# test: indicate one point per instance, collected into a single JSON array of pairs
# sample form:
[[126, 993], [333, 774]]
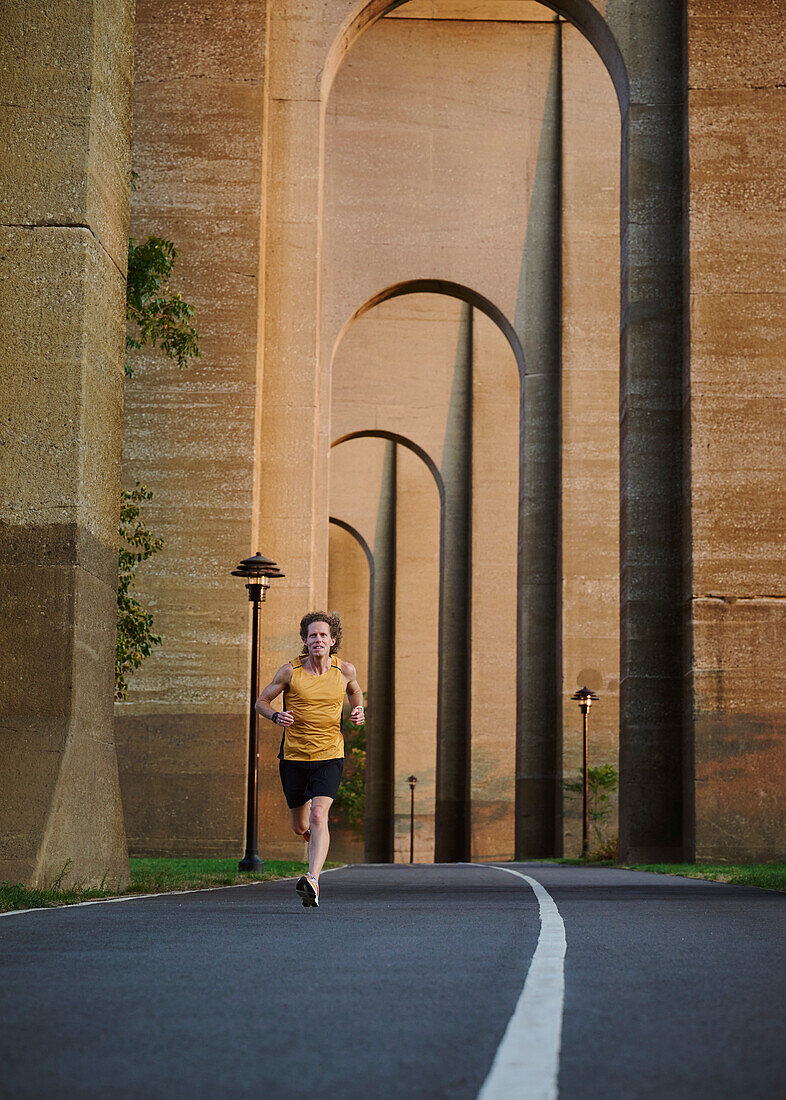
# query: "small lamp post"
[[257, 572], [584, 697], [412, 781]]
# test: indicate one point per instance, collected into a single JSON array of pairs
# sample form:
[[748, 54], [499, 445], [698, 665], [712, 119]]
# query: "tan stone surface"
[[393, 369], [64, 400], [590, 412], [506, 10], [357, 503], [63, 126], [380, 143], [428, 171], [191, 436], [348, 593], [739, 686], [495, 490], [417, 627], [66, 120], [737, 108], [431, 148]]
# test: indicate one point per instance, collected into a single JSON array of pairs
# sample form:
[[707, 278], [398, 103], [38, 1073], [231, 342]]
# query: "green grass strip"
[[767, 876], [150, 876]]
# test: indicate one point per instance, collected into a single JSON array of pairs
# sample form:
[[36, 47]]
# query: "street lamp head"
[[584, 697], [412, 780], [257, 572]]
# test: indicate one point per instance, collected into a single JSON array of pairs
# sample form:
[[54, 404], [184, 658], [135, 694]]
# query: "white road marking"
[[526, 1064]]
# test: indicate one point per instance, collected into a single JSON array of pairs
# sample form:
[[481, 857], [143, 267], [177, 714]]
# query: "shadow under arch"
[[380, 735], [449, 290], [582, 14]]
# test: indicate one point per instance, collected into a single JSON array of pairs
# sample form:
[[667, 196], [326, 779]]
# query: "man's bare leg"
[[299, 818], [320, 835]]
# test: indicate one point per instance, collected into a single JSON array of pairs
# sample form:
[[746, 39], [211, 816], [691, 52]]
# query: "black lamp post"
[[257, 572], [412, 781], [584, 697]]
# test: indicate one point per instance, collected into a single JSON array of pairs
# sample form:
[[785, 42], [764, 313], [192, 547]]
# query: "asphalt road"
[[400, 985]]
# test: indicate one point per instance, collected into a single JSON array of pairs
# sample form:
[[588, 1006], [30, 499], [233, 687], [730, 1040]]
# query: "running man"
[[311, 757]]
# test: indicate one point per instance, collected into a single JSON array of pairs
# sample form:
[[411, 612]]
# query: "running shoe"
[[308, 888], [306, 835]]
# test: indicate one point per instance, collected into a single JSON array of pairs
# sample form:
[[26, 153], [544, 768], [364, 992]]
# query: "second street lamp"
[[584, 697], [412, 781], [257, 572]]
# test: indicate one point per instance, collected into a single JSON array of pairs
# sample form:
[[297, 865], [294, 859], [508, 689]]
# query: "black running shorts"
[[305, 779]]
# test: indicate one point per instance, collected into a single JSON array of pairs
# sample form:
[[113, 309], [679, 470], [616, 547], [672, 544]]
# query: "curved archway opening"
[[481, 375], [580, 13], [586, 19], [401, 733], [450, 290]]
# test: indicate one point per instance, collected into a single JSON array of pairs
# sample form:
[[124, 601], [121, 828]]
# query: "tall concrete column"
[[380, 735], [452, 811], [538, 726], [66, 117], [736, 404], [651, 429]]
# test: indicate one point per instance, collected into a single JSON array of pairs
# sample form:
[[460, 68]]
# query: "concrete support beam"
[[452, 811], [380, 737], [66, 120], [538, 307], [651, 430], [192, 437], [735, 405]]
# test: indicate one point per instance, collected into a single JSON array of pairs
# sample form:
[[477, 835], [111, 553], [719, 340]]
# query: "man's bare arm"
[[354, 694], [281, 681]]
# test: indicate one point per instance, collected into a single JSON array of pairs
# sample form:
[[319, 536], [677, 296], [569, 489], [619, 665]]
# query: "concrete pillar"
[[651, 430], [350, 581], [417, 628], [452, 811], [66, 117], [737, 608], [538, 327], [495, 501], [381, 687], [590, 416], [192, 437]]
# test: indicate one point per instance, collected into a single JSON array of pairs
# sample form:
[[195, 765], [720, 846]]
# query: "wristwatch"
[[275, 717]]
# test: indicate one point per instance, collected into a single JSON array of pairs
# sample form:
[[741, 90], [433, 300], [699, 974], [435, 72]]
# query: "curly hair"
[[333, 621]]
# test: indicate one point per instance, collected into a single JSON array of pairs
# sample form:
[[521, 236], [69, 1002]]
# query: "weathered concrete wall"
[[393, 369], [65, 117], [349, 588], [495, 487], [191, 436], [388, 217], [652, 334], [737, 585], [403, 363], [417, 632], [590, 415]]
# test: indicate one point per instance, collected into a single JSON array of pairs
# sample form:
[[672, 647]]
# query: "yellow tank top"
[[315, 702]]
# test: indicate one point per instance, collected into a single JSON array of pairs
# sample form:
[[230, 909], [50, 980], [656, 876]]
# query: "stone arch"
[[450, 290], [452, 817], [654, 508], [403, 441], [581, 13], [381, 680]]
